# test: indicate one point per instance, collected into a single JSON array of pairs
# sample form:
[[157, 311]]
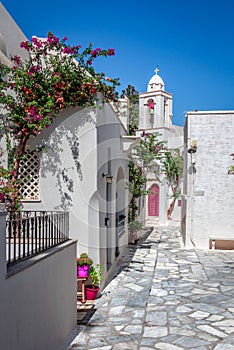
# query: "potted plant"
[[134, 227], [96, 275], [83, 265]]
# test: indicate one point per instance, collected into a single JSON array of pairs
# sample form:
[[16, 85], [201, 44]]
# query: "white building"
[[84, 170], [80, 165], [36, 293], [81, 149], [208, 195], [155, 116]]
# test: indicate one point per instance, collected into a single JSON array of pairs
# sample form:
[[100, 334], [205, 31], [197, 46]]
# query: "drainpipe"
[[192, 150]]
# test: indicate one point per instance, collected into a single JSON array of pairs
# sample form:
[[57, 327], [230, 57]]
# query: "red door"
[[153, 201]]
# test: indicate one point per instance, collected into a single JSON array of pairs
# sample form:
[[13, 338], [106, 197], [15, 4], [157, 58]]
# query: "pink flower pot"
[[91, 293], [83, 271]]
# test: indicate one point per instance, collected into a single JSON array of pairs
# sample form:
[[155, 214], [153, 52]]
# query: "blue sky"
[[191, 41]]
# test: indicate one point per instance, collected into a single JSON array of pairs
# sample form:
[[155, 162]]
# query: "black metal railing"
[[29, 233]]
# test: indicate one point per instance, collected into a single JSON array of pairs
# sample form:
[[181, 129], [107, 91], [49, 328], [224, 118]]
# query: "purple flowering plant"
[[34, 91]]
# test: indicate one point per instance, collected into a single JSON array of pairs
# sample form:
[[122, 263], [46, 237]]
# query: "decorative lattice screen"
[[29, 176]]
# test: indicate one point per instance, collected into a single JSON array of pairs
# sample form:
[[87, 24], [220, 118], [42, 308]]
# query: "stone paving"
[[164, 297]]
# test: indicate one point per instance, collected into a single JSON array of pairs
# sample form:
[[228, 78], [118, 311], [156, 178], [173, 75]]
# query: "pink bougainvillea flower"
[[93, 53], [40, 92], [36, 42], [25, 45], [34, 69], [16, 59], [111, 52]]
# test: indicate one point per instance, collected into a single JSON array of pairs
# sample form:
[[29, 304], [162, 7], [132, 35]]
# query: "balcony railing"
[[29, 233]]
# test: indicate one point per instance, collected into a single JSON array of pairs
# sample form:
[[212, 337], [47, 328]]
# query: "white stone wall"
[[111, 160], [162, 113], [68, 167], [10, 36], [72, 162], [210, 189], [37, 298], [79, 145]]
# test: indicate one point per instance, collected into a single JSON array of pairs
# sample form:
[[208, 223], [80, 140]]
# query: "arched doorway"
[[153, 201]]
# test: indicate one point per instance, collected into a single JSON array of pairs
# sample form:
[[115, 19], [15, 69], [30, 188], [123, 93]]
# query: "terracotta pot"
[[91, 292], [83, 270]]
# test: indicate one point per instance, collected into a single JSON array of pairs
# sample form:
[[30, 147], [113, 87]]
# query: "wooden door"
[[153, 201]]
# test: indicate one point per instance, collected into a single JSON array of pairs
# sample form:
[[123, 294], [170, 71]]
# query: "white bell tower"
[[155, 105]]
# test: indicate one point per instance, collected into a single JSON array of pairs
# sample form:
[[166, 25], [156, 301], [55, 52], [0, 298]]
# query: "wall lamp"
[[109, 178], [193, 148]]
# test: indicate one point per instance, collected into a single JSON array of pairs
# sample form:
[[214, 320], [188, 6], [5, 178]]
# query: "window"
[[29, 176], [150, 104]]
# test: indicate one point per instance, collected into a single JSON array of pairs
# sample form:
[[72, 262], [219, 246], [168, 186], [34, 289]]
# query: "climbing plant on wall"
[[137, 181], [34, 91], [172, 167], [146, 156], [152, 155], [133, 108], [231, 168]]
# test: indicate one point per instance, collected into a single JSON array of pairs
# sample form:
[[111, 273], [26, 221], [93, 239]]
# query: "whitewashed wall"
[[37, 298], [110, 148], [68, 169], [10, 36], [210, 201], [78, 147]]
